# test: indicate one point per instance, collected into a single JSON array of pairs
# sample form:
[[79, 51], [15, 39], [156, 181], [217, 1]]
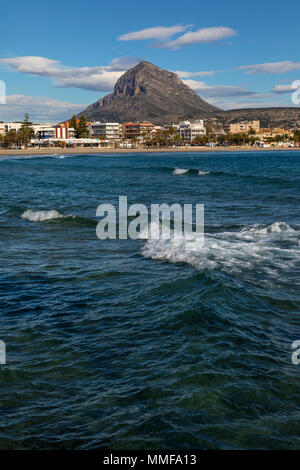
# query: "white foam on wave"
[[255, 247], [183, 171], [62, 157], [276, 227], [180, 171], [41, 216], [16, 158]]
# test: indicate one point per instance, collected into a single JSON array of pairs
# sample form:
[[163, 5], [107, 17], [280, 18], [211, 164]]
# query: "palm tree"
[[134, 141], [176, 139]]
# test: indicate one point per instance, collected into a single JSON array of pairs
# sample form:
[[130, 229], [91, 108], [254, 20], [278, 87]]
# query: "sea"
[[142, 344]]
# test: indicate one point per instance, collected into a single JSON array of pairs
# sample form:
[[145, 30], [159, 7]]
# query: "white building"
[[188, 131], [10, 126], [69, 142], [64, 133], [105, 130], [45, 133], [167, 127], [45, 128]]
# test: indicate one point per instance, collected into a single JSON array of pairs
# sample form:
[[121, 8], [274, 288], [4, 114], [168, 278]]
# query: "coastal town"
[[80, 133]]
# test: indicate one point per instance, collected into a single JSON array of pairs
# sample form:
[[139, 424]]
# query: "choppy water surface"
[[150, 344]]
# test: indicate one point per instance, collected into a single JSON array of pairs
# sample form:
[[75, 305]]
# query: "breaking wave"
[[276, 227], [180, 171], [54, 215], [194, 171], [41, 216], [268, 248]]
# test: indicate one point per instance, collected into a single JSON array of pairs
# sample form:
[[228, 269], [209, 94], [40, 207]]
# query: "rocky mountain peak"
[[148, 92]]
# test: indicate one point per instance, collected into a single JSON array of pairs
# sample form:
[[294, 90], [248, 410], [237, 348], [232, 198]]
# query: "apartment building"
[[64, 133], [10, 126], [46, 133], [134, 130], [188, 131], [243, 127], [266, 133], [46, 128], [105, 130], [168, 127], [67, 124], [212, 125]]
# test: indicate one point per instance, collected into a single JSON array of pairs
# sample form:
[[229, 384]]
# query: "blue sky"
[[58, 57]]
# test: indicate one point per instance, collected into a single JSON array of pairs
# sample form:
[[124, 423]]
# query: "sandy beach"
[[61, 151]]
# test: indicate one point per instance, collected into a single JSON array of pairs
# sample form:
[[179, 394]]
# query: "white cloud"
[[32, 64], [244, 104], [231, 97], [287, 88], [217, 91], [38, 107], [157, 32], [282, 89], [98, 78], [185, 74], [271, 67], [200, 36], [89, 79]]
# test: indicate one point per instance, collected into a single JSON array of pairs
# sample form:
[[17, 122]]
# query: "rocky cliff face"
[[149, 93]]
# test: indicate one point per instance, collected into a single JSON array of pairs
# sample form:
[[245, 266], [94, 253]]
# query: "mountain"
[[279, 117], [149, 93]]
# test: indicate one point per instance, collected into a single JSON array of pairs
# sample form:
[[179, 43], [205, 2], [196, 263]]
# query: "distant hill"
[[149, 93], [266, 116]]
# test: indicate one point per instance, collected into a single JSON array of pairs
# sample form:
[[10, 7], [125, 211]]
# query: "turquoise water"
[[129, 344]]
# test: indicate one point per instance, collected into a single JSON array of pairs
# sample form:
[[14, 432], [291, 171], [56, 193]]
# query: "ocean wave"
[[220, 173], [62, 156], [276, 227], [268, 248], [56, 216], [41, 216], [193, 171], [180, 171], [16, 158]]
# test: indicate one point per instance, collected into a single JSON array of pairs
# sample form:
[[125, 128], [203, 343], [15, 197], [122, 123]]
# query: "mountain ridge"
[[275, 116], [149, 93]]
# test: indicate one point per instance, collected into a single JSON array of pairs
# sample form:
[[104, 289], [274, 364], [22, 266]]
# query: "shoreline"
[[83, 151]]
